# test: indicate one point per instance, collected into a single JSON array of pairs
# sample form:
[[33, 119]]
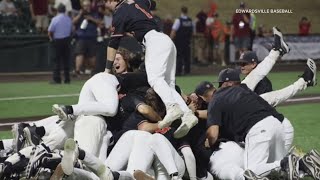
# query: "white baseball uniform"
[[160, 60], [98, 96]]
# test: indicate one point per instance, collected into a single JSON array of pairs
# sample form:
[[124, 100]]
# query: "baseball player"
[[134, 18], [248, 61]]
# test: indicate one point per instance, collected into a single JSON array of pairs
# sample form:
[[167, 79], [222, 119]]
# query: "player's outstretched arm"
[[148, 112], [111, 54]]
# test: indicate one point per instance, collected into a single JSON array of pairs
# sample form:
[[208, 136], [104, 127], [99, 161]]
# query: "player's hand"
[[194, 98], [206, 143], [193, 106]]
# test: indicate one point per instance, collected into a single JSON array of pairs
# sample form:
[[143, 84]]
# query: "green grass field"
[[305, 117], [42, 106]]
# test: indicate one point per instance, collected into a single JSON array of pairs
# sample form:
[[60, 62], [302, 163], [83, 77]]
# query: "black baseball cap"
[[248, 57], [203, 87], [228, 75]]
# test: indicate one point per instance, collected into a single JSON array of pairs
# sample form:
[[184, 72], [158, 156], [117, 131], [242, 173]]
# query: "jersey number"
[[144, 11]]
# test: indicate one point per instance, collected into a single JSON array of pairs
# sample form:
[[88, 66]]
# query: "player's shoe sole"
[[60, 112], [69, 155], [315, 155], [189, 120], [292, 169], [173, 113], [104, 173], [313, 67], [140, 175], [249, 175], [284, 48], [310, 166], [58, 173]]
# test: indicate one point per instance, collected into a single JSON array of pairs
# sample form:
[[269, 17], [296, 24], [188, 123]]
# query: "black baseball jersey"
[[263, 86], [132, 81], [136, 119], [127, 105], [132, 17], [236, 109]]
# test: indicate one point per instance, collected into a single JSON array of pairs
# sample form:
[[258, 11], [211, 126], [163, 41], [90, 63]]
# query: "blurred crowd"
[[204, 40]]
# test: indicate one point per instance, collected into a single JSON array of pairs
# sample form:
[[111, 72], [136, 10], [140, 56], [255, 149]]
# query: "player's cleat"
[[19, 137], [104, 173], [140, 175], [62, 112], [310, 166], [310, 73], [32, 138], [279, 44], [189, 120], [315, 155], [249, 175], [35, 162], [70, 156], [290, 166], [173, 113], [175, 176], [52, 161]]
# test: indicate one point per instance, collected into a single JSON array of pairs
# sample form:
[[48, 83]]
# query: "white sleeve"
[[262, 69], [176, 25]]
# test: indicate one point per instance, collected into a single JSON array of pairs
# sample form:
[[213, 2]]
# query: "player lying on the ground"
[[133, 123]]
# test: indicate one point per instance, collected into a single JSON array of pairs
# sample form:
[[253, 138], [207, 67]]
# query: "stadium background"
[[27, 96]]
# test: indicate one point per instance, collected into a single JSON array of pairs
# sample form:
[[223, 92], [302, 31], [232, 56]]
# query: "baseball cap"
[[203, 87], [228, 75], [248, 57]]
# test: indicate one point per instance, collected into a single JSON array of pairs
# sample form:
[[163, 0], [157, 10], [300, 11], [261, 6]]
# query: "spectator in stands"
[[253, 21], [167, 24], [181, 34], [227, 31], [241, 31], [263, 32], [86, 23], [76, 6], [201, 41], [304, 26], [39, 13], [213, 7], [7, 8], [66, 3], [218, 36], [59, 33], [107, 20]]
